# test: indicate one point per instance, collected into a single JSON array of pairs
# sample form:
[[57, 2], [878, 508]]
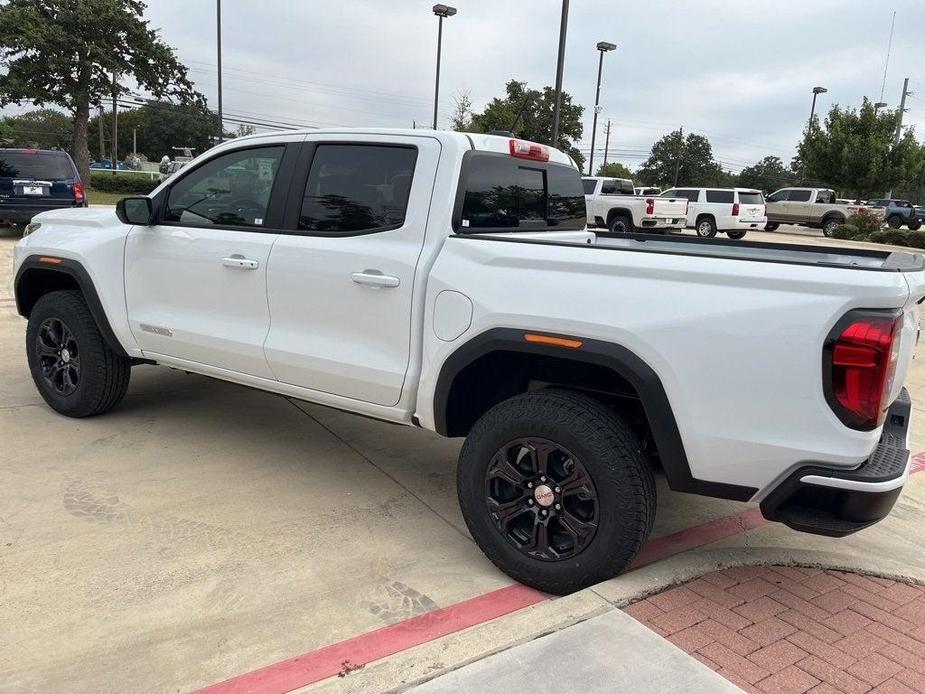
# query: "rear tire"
[[74, 369], [706, 228], [596, 487], [829, 225], [621, 224], [894, 221], [771, 226], [736, 234]]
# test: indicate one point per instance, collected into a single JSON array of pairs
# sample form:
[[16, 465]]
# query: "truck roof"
[[477, 141]]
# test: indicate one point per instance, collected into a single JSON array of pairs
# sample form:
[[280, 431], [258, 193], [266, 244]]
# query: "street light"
[[560, 65], [602, 47], [812, 112], [879, 105], [218, 42], [442, 12]]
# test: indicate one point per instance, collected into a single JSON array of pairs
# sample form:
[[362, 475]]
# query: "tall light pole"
[[602, 47], [218, 43], [812, 112], [560, 63], [442, 12]]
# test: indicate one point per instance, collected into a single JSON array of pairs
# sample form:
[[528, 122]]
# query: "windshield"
[[32, 164], [503, 193], [751, 198]]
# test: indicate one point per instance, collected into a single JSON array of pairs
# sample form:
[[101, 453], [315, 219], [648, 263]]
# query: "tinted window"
[[720, 196], [800, 195], [614, 186], [589, 185], [502, 193], [34, 164], [357, 188], [779, 196], [825, 196], [751, 198], [232, 189], [690, 195], [670, 194], [649, 191]]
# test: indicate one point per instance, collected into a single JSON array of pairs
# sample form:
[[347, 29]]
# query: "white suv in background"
[[732, 211]]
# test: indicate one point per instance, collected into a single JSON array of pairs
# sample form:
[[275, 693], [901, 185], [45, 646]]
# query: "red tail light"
[[650, 206], [735, 209], [860, 359], [79, 191], [529, 150]]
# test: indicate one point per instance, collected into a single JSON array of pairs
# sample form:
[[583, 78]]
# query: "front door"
[[195, 282], [340, 284]]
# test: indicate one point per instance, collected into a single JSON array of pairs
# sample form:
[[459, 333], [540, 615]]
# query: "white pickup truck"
[[447, 281], [613, 204]]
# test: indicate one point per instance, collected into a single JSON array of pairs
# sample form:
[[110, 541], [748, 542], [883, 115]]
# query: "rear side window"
[[751, 198], [33, 164], [357, 188], [689, 195], [613, 186], [589, 185], [500, 192], [799, 195], [727, 196]]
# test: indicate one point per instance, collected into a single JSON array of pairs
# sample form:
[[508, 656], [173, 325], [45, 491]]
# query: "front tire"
[[74, 369], [706, 228], [914, 225], [556, 490]]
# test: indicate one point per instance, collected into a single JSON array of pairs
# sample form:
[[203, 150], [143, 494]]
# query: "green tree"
[[44, 129], [853, 151], [159, 126], [530, 111], [461, 121], [64, 52], [691, 155], [613, 169], [768, 175]]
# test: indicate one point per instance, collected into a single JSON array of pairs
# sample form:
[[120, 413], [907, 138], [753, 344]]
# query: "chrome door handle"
[[374, 278], [239, 261]]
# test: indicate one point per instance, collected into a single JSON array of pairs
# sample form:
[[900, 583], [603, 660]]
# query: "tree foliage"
[[614, 169], [853, 151], [530, 111], [43, 129], [767, 175], [64, 52], [461, 120], [693, 157], [159, 126]]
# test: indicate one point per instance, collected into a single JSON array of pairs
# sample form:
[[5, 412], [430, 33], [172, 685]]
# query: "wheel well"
[[36, 282], [499, 375], [618, 211], [831, 216], [705, 215]]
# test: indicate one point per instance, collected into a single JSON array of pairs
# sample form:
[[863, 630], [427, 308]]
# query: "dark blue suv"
[[37, 180]]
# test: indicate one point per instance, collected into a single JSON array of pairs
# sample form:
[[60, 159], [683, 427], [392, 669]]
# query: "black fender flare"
[[82, 278], [619, 359]]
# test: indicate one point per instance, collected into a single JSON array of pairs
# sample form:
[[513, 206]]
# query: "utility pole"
[[677, 160], [115, 125], [218, 43], [135, 142], [607, 142], [560, 64], [902, 110], [101, 125]]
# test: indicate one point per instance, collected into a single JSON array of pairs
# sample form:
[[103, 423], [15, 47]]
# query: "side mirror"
[[135, 210]]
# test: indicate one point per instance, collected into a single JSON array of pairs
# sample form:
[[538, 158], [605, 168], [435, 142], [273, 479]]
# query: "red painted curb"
[[346, 655]]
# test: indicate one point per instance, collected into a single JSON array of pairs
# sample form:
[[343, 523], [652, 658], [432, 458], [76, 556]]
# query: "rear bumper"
[[828, 501], [21, 214], [664, 222], [745, 224]]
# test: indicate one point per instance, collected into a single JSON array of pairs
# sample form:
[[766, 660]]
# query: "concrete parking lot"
[[202, 531]]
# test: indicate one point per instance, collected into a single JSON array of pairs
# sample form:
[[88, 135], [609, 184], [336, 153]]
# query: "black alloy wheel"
[[59, 356], [541, 499]]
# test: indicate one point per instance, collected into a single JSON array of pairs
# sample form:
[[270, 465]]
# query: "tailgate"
[[670, 207]]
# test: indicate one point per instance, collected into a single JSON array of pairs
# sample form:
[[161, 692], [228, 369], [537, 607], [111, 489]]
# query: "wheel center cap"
[[544, 495], [65, 355]]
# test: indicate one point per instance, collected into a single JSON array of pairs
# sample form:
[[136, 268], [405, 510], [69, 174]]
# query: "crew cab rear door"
[[341, 277]]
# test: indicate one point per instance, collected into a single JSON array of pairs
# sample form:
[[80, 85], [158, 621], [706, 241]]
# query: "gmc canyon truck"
[[447, 281], [812, 207], [613, 204]]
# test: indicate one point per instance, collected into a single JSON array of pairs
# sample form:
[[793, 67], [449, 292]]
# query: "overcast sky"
[[739, 72]]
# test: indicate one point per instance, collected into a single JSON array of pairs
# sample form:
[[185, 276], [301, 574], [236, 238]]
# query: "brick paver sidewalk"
[[788, 629]]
